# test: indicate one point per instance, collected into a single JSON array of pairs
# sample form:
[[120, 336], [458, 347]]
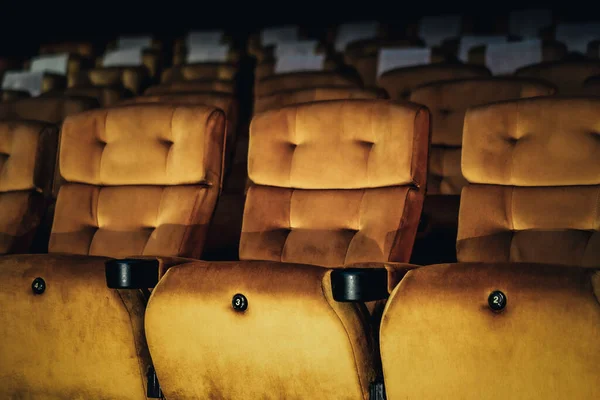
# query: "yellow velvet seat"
[[141, 180], [26, 172], [105, 95], [448, 102], [294, 96], [200, 71], [334, 184], [134, 79], [52, 108], [400, 82], [518, 317], [305, 80], [567, 76], [198, 85]]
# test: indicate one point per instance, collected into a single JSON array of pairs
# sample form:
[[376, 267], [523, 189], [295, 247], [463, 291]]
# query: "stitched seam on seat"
[[137, 352], [347, 335], [512, 222], [95, 190]]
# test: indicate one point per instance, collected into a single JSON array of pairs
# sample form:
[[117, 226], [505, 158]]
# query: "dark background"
[[25, 25]]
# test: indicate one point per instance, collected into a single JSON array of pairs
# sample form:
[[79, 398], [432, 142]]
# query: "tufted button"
[[239, 302], [497, 300], [38, 286]]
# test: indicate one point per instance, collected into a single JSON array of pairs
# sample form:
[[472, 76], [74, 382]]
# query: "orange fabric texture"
[[77, 340], [400, 82], [293, 341], [132, 78], [50, 109], [146, 144], [299, 159], [440, 340], [26, 172], [200, 85], [285, 343], [304, 80], [290, 97], [568, 76], [177, 150], [535, 142], [533, 166], [191, 72], [448, 102]]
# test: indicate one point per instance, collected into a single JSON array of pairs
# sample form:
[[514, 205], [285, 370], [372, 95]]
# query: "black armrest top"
[[359, 284], [131, 273]]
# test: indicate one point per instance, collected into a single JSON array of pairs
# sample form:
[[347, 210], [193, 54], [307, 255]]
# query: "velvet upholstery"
[[199, 85], [26, 171], [304, 80], [448, 102], [191, 72], [48, 108], [141, 180], [105, 95], [289, 97], [334, 183], [541, 160], [400, 82], [528, 227], [568, 76], [134, 79], [440, 339]]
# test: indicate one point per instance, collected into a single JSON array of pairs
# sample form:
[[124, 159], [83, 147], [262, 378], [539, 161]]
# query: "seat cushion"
[[292, 341], [441, 340], [76, 340]]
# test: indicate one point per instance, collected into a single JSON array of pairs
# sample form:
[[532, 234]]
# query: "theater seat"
[[135, 79], [200, 85], [48, 108], [289, 97], [591, 86], [305, 80], [268, 326], [66, 335], [519, 316], [448, 102], [197, 71], [12, 95], [568, 76], [400, 82], [27, 168], [105, 95]]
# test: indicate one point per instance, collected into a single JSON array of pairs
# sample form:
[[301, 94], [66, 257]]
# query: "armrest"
[[139, 272], [367, 281]]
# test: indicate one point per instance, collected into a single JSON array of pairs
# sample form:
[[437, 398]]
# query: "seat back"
[[140, 180], [400, 82], [289, 97], [26, 170], [201, 85], [190, 72], [448, 102], [335, 182], [568, 76], [52, 109], [304, 80], [534, 173], [12, 95], [132, 78], [106, 96]]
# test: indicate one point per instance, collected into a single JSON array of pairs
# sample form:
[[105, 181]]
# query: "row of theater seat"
[[324, 196]]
